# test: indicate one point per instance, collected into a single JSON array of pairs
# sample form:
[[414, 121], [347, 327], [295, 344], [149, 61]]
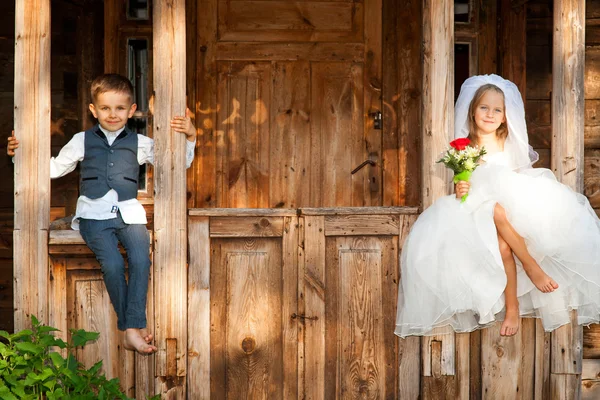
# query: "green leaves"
[[31, 369]]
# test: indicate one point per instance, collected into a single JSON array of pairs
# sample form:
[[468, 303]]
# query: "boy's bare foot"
[[510, 326], [146, 335], [135, 342], [540, 279]]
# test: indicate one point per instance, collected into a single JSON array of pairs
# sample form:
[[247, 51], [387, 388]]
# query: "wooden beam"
[[111, 35], [32, 176], [170, 231], [568, 60], [513, 43], [437, 131]]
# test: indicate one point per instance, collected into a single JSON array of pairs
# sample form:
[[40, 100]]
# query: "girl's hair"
[[502, 131]]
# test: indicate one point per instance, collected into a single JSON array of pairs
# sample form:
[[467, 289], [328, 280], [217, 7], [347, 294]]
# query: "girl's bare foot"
[[146, 335], [135, 342], [510, 326], [540, 279]]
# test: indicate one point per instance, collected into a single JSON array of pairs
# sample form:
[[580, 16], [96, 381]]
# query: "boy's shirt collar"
[[108, 133]]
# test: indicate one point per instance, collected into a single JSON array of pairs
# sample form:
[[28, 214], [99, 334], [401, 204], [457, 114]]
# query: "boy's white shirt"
[[131, 210]]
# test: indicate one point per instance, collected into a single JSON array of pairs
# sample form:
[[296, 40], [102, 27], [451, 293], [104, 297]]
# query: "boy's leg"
[[510, 325], [136, 242], [516, 242], [100, 237]]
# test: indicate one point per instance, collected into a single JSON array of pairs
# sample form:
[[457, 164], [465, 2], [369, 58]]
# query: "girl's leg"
[[510, 326], [539, 278]]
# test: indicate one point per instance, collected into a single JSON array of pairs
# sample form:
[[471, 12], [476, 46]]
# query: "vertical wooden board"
[[191, 90], [218, 320], [199, 350], [314, 307], [113, 9], [487, 43], [32, 180], [361, 349], [290, 136], [144, 365], [567, 348], [170, 252], [206, 106], [500, 363], [528, 359], [565, 386], [463, 359], [253, 364], [475, 366], [437, 386], [337, 131], [57, 303], [94, 312], [542, 362], [289, 297], [568, 92], [372, 84], [513, 43], [301, 307], [245, 95]]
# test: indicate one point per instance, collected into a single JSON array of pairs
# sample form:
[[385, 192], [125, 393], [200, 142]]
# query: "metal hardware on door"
[[370, 162], [377, 120], [303, 317]]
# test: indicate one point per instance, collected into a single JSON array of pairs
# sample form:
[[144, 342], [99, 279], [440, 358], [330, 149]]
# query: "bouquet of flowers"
[[462, 159]]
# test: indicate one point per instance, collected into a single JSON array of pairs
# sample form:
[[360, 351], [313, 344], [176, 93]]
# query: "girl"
[[458, 268]]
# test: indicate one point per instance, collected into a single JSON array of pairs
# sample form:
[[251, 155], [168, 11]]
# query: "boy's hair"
[[111, 83], [502, 131]]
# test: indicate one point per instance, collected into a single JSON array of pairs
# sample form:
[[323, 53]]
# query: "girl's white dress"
[[452, 272]]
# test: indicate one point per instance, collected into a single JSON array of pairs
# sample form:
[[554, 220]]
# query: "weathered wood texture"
[[438, 352], [567, 164], [170, 233], [32, 179]]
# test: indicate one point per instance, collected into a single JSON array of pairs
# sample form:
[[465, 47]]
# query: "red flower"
[[460, 144]]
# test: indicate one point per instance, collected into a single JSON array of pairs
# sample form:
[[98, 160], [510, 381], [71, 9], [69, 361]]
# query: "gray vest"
[[107, 167]]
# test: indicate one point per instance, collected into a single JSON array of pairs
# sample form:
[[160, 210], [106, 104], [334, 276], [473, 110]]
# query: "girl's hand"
[[462, 188], [184, 125], [13, 144]]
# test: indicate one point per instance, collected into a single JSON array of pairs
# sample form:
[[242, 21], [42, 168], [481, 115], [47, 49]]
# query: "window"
[[462, 65], [138, 9], [462, 9]]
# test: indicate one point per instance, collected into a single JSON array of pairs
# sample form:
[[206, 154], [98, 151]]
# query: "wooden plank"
[[243, 154], [372, 177], [66, 237], [32, 177], [218, 319], [57, 316], [463, 368], [242, 212], [566, 348], [528, 359], [591, 178], [513, 43], [592, 83], [475, 392], [290, 326], [590, 389], [206, 106], [144, 365], [542, 362], [359, 211], [199, 350], [337, 130], [282, 21], [437, 129], [246, 227], [359, 225], [314, 306], [590, 375], [170, 256], [591, 342], [301, 306], [248, 51], [112, 12], [191, 82], [488, 32], [565, 386], [290, 135]]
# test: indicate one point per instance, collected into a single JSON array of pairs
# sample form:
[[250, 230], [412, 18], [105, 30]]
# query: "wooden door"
[[286, 96], [349, 287]]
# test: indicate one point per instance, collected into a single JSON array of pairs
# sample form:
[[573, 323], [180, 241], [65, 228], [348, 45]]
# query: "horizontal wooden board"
[[591, 177], [242, 212], [65, 237], [592, 77], [364, 225], [359, 211], [246, 227], [231, 51], [280, 21], [591, 342], [539, 79]]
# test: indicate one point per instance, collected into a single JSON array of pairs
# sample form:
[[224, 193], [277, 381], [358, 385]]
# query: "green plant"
[[30, 369]]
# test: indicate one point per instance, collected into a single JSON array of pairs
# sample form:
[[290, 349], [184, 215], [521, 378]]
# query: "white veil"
[[517, 144]]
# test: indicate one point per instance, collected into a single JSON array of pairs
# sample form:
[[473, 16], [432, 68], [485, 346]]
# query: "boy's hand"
[[461, 188], [184, 125], [13, 144]]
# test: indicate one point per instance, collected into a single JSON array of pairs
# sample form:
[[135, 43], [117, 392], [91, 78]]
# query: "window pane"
[[137, 9], [461, 10], [461, 66]]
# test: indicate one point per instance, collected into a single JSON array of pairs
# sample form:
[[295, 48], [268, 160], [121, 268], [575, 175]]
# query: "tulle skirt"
[[453, 277]]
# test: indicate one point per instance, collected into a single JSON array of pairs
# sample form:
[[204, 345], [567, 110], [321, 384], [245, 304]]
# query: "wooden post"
[[567, 164], [32, 176], [438, 352], [170, 221]]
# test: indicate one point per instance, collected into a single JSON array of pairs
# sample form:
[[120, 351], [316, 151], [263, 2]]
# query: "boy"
[[108, 211]]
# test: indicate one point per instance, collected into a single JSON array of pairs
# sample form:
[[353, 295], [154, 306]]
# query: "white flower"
[[469, 164]]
